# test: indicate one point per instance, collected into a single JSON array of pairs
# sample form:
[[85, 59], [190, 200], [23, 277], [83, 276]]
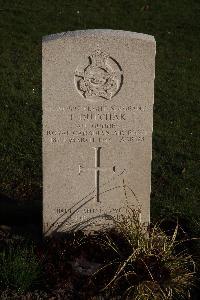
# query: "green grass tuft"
[[20, 269]]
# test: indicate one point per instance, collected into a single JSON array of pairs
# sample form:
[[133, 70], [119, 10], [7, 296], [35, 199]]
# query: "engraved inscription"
[[100, 79], [100, 124]]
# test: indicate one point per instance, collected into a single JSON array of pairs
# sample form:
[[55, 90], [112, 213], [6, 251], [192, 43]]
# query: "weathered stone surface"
[[98, 91]]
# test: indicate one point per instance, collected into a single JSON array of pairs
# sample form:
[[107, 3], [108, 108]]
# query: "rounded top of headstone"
[[99, 32]]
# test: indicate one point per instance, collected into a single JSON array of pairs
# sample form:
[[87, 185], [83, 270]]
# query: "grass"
[[176, 142], [125, 262], [150, 266], [20, 269]]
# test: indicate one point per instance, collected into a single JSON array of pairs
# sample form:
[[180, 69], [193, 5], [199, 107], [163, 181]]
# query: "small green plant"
[[147, 264], [19, 268]]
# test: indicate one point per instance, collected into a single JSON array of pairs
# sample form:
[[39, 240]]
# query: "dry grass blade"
[[152, 268]]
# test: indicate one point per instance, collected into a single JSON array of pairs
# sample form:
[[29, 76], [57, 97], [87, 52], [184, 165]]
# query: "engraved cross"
[[97, 170]]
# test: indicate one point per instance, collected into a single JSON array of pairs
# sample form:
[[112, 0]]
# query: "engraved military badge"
[[101, 78]]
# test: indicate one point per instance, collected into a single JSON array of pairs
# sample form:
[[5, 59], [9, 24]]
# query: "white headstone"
[[98, 93]]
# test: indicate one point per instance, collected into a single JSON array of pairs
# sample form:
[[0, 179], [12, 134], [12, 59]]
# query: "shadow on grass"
[[23, 217]]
